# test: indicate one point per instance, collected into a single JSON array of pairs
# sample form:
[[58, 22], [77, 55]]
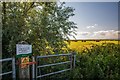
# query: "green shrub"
[[101, 62]]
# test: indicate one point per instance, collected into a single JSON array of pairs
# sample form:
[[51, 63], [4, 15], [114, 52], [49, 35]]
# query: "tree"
[[42, 24]]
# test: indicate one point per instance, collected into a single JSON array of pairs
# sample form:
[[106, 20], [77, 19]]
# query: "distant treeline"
[[97, 40]]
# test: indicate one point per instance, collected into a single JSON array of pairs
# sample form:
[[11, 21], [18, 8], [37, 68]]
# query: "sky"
[[95, 20]]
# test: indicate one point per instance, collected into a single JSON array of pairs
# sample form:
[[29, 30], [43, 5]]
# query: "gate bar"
[[53, 64], [53, 55], [6, 73], [8, 59], [53, 73]]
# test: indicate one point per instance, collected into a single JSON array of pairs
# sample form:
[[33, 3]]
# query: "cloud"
[[93, 26], [90, 27], [117, 32], [84, 33], [107, 34], [103, 34]]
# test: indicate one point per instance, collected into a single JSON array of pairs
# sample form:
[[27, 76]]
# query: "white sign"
[[23, 49]]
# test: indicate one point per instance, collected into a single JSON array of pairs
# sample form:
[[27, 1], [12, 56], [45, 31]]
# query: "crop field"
[[80, 45]]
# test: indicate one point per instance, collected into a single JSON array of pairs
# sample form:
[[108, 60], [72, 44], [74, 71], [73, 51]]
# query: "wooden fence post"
[[24, 72]]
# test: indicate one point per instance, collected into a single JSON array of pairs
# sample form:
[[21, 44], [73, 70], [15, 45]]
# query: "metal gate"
[[13, 71], [71, 63], [37, 67]]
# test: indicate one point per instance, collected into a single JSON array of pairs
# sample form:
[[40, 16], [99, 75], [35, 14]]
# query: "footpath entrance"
[[35, 64]]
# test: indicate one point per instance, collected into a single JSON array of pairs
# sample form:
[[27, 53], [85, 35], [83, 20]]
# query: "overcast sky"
[[95, 20]]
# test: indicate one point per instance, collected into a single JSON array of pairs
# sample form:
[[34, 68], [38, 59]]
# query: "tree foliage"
[[42, 24]]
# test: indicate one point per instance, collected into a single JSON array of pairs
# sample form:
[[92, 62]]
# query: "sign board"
[[23, 50]]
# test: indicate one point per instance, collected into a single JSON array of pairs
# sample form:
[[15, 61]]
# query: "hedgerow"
[[99, 62]]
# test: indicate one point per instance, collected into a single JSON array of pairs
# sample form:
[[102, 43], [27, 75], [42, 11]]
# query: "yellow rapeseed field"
[[79, 45]]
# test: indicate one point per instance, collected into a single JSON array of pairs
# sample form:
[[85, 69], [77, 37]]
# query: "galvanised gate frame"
[[71, 62], [13, 71], [35, 67]]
